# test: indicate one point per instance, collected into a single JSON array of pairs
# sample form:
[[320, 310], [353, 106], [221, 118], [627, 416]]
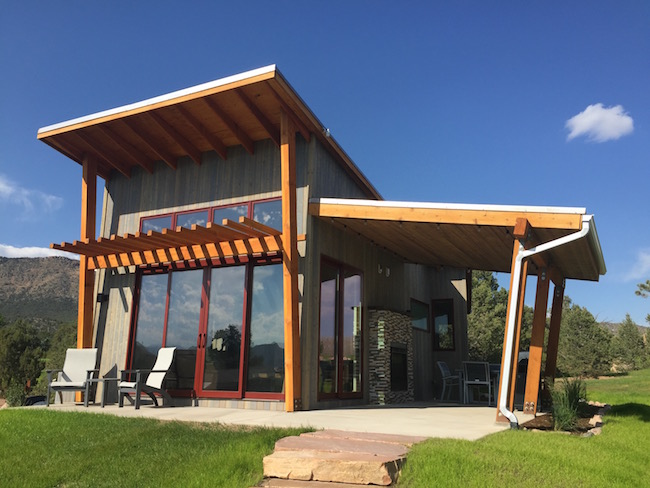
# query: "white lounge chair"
[[147, 381], [79, 369]]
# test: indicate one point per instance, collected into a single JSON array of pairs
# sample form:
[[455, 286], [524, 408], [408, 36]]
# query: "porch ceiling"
[[237, 110], [467, 236]]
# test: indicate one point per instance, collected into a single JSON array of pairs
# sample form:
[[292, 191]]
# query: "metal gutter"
[[512, 308]]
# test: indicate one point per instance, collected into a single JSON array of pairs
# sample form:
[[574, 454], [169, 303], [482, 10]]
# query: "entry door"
[[220, 343]]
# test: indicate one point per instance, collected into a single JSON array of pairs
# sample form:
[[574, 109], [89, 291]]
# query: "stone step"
[[280, 483], [334, 456]]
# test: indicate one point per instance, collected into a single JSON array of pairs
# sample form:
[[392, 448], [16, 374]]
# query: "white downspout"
[[514, 293]]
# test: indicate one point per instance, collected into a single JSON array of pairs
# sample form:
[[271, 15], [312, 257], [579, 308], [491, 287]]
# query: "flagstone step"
[[339, 457], [281, 483]]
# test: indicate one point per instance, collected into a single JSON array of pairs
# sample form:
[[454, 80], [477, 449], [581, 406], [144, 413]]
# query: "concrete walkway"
[[457, 422]]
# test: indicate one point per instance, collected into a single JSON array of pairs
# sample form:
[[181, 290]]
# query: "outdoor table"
[[103, 381]]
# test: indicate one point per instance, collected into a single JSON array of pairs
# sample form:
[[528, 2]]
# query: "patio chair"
[[76, 375], [147, 381], [477, 375], [448, 379]]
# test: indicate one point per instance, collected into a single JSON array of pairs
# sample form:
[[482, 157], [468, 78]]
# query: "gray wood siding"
[[242, 177]]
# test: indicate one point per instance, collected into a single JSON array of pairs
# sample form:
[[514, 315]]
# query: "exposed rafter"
[[179, 138], [237, 131], [272, 131], [217, 145]]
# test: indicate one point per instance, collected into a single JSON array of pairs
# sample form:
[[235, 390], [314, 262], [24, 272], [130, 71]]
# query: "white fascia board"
[[449, 206], [162, 98]]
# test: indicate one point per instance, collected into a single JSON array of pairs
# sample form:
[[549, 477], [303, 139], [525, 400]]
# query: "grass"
[[42, 448], [617, 458]]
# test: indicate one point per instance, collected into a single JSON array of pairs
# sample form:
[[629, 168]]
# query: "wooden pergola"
[[488, 237]]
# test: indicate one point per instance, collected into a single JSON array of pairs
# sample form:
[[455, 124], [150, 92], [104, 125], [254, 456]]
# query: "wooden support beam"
[[244, 229], [86, 275], [302, 128], [499, 218], [180, 139], [517, 344], [147, 140], [512, 301], [98, 153], [216, 143], [239, 134], [554, 333], [292, 372], [130, 151], [270, 129], [254, 224], [533, 374]]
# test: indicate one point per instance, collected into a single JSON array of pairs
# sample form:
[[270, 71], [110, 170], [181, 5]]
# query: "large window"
[[340, 336], [226, 322], [267, 212], [443, 323]]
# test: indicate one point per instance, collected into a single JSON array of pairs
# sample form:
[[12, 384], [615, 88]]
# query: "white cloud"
[[641, 268], [32, 252], [600, 124], [31, 201]]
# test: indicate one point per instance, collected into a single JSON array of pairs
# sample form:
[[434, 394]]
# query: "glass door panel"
[[221, 361], [183, 325], [327, 345], [351, 368], [150, 322], [266, 336]]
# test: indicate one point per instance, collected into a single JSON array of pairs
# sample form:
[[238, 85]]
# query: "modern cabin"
[[235, 228]]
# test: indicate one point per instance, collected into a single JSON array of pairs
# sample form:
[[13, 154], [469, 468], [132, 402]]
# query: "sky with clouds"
[[469, 102]]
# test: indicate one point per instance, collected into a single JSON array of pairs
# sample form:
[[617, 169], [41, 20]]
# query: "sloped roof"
[[467, 236], [237, 110]]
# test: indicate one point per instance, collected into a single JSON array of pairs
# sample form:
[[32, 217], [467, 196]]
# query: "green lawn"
[[44, 448], [620, 456]]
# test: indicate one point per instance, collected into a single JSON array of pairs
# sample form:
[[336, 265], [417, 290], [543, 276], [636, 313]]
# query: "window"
[[226, 321], [419, 315], [340, 336], [267, 212], [443, 323]]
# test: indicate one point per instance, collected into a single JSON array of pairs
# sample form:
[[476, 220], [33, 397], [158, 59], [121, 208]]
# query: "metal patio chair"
[[79, 368], [477, 375], [449, 379], [147, 381]]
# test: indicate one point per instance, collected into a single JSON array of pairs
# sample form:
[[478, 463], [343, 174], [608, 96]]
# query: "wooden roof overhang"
[[229, 240], [467, 236], [237, 110]]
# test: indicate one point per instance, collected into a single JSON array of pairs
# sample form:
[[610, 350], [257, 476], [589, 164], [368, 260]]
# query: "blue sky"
[[531, 103]]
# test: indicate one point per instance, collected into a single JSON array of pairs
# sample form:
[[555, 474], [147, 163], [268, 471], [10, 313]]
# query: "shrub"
[[15, 394], [567, 403]]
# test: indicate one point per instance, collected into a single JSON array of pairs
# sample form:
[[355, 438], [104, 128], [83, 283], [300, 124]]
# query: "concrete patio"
[[415, 419]]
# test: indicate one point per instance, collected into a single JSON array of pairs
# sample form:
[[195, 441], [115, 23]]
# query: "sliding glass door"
[[227, 323]]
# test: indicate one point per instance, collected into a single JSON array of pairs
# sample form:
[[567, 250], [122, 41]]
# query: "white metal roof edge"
[[162, 98], [449, 206], [595, 243]]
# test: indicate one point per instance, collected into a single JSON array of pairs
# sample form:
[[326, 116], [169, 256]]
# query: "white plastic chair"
[[477, 374], [153, 383], [448, 379], [76, 375]]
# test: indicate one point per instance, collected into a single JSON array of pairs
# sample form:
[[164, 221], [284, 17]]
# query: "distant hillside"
[[614, 326], [42, 290]]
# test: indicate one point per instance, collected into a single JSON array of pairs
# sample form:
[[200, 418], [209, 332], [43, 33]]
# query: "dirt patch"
[[545, 422]]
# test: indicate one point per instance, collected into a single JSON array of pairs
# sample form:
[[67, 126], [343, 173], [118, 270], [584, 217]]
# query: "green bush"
[[567, 403], [15, 394]]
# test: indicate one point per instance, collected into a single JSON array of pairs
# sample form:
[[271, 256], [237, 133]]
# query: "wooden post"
[[86, 275], [292, 378], [515, 349], [515, 251], [536, 344], [554, 332]]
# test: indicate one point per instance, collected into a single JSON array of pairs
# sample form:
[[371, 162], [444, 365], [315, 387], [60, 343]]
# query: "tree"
[[21, 354], [628, 349], [643, 290], [584, 348], [486, 323]]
